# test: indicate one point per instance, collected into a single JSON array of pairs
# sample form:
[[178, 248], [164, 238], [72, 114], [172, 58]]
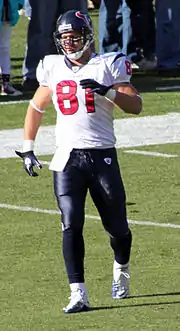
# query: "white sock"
[[116, 269], [75, 286]]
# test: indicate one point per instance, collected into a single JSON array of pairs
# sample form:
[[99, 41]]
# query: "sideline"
[[130, 132]]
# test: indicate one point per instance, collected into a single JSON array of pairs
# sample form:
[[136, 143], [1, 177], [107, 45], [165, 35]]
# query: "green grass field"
[[33, 282]]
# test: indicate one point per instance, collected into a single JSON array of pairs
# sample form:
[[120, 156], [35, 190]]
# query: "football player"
[[84, 88]]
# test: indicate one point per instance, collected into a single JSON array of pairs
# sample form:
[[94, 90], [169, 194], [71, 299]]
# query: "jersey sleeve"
[[120, 70], [42, 73]]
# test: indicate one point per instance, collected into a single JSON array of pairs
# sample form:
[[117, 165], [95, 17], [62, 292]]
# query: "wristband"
[[36, 108], [111, 94], [28, 145]]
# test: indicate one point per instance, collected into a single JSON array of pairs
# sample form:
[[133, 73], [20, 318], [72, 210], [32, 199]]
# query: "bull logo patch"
[[84, 18]]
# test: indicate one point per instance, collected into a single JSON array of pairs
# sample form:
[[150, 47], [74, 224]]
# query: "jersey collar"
[[75, 68]]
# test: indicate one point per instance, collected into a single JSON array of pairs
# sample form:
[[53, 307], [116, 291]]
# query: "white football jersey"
[[83, 120]]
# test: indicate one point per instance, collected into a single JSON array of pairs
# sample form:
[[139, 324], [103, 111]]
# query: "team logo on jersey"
[[108, 160], [84, 18]]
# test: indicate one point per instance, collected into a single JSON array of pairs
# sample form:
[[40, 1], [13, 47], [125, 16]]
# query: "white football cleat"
[[78, 302], [120, 287]]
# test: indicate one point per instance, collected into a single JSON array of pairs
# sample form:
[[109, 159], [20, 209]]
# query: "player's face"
[[71, 42]]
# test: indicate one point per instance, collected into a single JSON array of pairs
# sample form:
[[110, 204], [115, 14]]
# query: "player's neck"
[[84, 58]]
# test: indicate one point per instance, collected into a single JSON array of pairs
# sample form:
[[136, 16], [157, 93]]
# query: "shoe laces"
[[124, 276], [75, 296]]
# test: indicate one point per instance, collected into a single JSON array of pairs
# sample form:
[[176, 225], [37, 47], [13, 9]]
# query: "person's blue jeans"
[[112, 37], [168, 32]]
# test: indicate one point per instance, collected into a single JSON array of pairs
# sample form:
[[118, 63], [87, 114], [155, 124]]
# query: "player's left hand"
[[94, 86]]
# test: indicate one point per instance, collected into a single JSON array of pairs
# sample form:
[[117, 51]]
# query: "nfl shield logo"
[[108, 160]]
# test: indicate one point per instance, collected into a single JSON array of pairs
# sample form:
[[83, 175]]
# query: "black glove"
[[29, 161], [94, 86]]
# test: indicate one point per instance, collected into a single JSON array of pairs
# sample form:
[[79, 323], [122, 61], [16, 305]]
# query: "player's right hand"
[[94, 86], [29, 161]]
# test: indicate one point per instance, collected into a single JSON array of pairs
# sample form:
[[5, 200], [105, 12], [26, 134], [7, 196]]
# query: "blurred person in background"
[[114, 26], [143, 40], [44, 14], [129, 26], [27, 9], [168, 34], [8, 18]]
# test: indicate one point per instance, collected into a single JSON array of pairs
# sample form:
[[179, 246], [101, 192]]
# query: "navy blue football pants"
[[96, 171]]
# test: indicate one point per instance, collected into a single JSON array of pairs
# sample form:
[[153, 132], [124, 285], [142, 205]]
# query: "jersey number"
[[67, 98]]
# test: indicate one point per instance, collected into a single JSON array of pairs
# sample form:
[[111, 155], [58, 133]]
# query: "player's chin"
[[70, 51]]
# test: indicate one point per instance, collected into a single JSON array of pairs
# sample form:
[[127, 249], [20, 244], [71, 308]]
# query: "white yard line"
[[168, 88], [52, 212], [13, 102], [43, 162], [135, 151]]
